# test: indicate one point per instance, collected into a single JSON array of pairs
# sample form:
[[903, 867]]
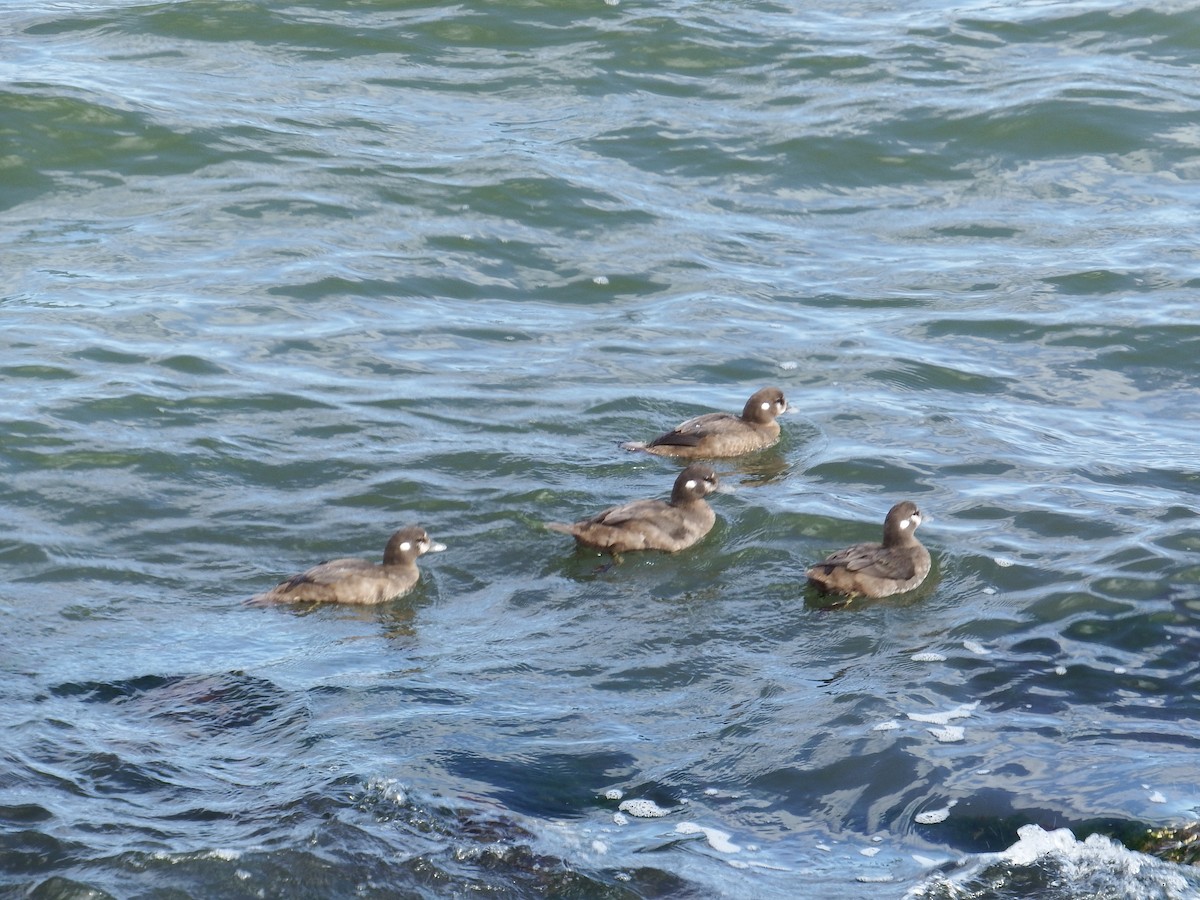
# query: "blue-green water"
[[279, 278]]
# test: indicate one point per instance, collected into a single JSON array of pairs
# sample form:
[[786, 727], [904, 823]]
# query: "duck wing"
[[332, 571], [873, 560], [320, 583], [628, 514], [641, 525], [691, 432]]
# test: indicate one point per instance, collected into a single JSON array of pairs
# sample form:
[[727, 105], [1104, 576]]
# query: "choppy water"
[[279, 278]]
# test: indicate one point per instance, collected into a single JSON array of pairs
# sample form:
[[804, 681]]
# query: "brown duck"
[[899, 564], [358, 581], [721, 434], [653, 524]]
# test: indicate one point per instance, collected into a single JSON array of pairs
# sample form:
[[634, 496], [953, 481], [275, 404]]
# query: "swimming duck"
[[720, 434], [653, 524], [358, 580], [899, 564]]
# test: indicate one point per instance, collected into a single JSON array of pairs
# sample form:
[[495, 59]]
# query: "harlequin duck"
[[358, 580], [720, 434], [899, 564], [653, 524]]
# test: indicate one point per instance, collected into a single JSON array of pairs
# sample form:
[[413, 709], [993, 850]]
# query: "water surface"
[[279, 279]]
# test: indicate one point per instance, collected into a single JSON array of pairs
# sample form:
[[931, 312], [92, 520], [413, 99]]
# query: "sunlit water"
[[278, 279]]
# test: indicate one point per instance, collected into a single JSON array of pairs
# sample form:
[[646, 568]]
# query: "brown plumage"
[[653, 524], [721, 434], [899, 564], [358, 581]]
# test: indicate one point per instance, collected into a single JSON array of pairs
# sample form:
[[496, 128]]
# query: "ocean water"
[[278, 278]]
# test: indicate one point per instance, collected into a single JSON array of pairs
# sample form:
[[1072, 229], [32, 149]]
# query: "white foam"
[[620, 819], [1157, 797], [928, 657], [950, 734], [717, 839], [643, 809], [934, 816], [601, 279], [219, 853], [962, 711], [976, 647], [614, 794], [870, 851], [1004, 562], [889, 725]]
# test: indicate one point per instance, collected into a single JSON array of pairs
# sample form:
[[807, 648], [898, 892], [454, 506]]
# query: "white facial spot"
[[904, 523], [766, 405], [691, 485], [406, 546]]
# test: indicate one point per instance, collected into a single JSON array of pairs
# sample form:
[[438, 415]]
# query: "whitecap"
[[1035, 842], [1097, 866]]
